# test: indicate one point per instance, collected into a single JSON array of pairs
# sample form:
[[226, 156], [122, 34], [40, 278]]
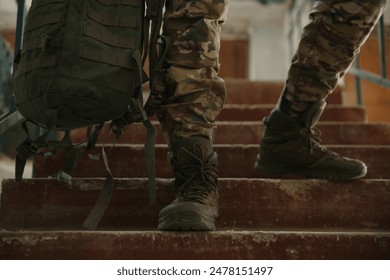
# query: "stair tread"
[[269, 203], [249, 132], [210, 245], [235, 160]]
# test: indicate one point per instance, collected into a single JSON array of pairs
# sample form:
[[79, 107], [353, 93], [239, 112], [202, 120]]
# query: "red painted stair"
[[260, 218]]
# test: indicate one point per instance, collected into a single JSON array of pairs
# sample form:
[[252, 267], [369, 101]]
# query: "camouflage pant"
[[329, 44], [194, 93]]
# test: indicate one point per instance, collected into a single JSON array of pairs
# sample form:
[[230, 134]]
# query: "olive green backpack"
[[81, 65]]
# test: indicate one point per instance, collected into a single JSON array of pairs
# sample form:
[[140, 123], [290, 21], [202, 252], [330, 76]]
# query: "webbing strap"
[[110, 38], [40, 62], [40, 3], [135, 3], [156, 59], [105, 57], [103, 200], [29, 148], [32, 44], [39, 21], [149, 148], [110, 20]]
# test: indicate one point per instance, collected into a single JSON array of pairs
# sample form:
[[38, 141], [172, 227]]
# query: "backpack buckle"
[[137, 111]]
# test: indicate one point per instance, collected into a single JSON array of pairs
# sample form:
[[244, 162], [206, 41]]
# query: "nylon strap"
[[41, 62], [108, 20], [27, 149], [149, 148], [135, 3], [36, 22], [109, 38], [37, 4], [103, 200], [32, 44], [105, 57]]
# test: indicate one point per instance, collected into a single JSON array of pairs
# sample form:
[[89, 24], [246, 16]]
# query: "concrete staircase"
[[260, 218]]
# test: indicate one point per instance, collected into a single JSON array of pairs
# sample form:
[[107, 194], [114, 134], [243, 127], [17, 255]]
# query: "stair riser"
[[254, 113], [250, 132], [244, 204], [218, 245], [263, 92], [257, 113], [233, 162]]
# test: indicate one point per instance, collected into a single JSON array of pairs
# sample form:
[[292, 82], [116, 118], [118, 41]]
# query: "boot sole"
[[185, 217], [280, 169]]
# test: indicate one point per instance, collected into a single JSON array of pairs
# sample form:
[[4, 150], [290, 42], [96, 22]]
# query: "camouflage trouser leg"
[[194, 93], [329, 44]]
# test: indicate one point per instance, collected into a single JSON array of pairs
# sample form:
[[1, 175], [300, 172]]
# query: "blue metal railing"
[[360, 73], [5, 77], [295, 12], [13, 117]]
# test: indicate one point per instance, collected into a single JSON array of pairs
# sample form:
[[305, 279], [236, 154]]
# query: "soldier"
[[195, 96]]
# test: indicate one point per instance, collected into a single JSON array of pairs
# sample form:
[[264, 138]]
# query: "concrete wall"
[[264, 28]]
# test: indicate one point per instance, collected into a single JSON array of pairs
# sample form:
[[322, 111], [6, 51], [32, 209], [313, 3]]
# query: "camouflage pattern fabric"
[[329, 43], [194, 93]]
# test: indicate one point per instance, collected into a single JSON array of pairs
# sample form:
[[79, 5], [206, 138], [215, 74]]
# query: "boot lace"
[[196, 181], [313, 136]]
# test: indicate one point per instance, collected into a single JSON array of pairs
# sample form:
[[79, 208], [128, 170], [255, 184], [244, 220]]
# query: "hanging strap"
[[156, 49], [137, 114], [103, 199], [157, 83], [29, 148]]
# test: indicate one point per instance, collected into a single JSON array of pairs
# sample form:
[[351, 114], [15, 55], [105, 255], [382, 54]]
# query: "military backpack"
[[81, 65]]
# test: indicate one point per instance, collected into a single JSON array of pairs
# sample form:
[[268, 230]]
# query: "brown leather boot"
[[292, 145], [196, 187]]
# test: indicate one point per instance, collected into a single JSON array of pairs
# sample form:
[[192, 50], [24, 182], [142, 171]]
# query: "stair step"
[[260, 218], [245, 112], [249, 132], [235, 161], [243, 91], [245, 204], [229, 245]]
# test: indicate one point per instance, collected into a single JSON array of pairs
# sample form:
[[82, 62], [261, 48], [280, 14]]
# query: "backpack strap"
[[154, 14], [103, 199], [27, 149], [44, 147], [137, 114]]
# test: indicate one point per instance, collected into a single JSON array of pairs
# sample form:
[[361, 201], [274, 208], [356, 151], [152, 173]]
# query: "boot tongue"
[[192, 150], [312, 115], [193, 156]]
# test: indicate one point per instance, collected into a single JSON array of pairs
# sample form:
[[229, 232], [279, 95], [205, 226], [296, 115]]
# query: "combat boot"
[[196, 187], [292, 145]]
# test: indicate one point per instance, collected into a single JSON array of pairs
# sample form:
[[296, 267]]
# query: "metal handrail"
[[360, 73], [13, 117], [355, 70]]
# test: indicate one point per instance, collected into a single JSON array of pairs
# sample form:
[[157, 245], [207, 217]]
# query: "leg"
[[193, 99], [328, 46]]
